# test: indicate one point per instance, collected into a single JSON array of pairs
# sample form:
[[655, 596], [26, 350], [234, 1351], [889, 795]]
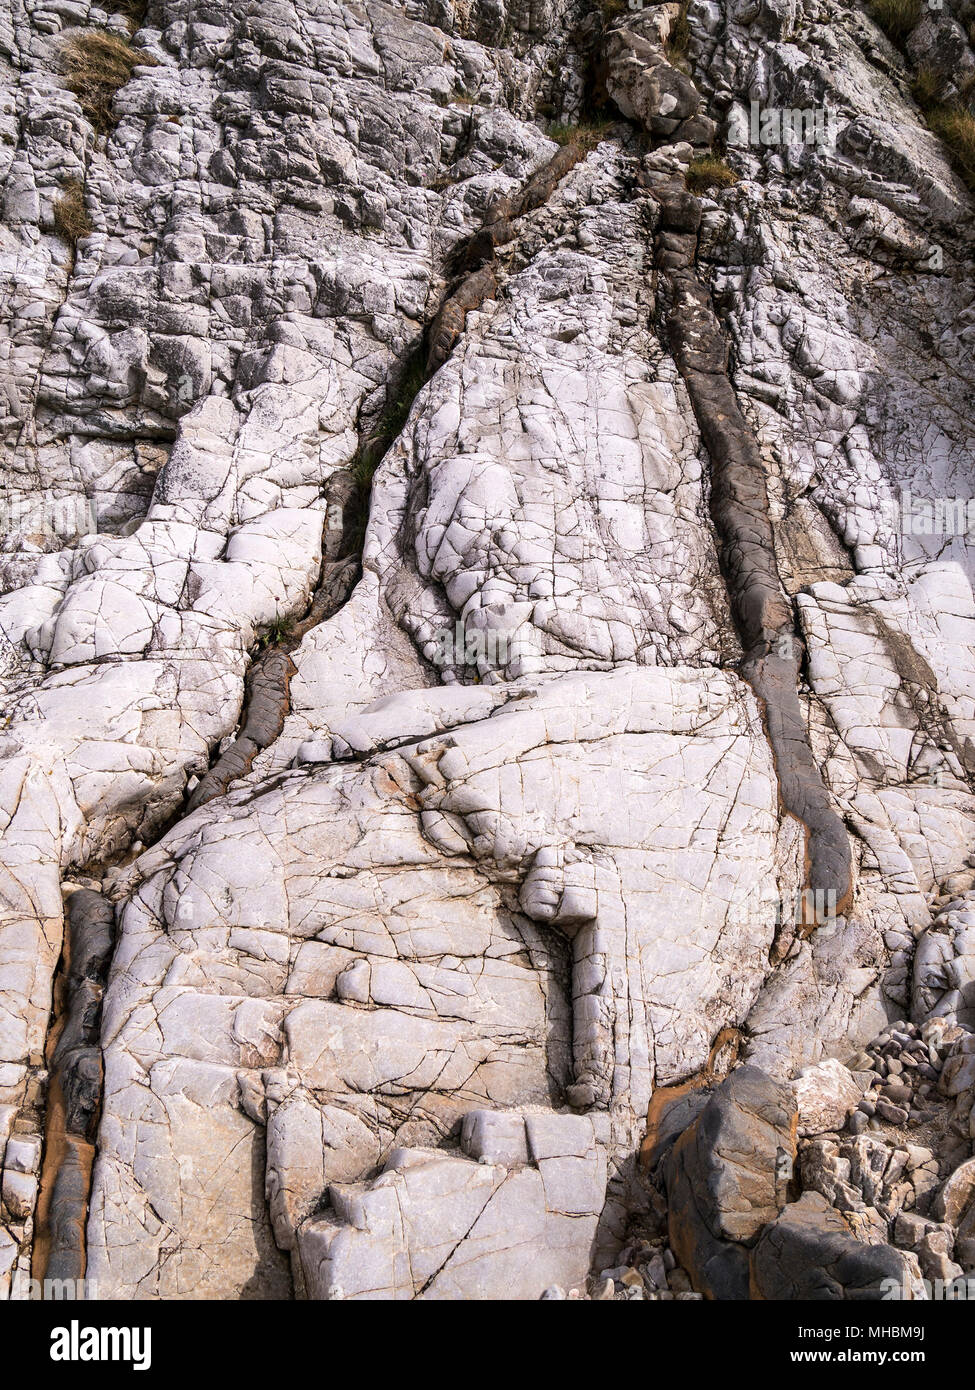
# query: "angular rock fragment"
[[727, 1177], [809, 1252], [435, 1225], [825, 1096]]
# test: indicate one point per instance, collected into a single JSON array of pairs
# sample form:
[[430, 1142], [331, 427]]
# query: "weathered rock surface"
[[825, 1095], [518, 1218], [420, 828]]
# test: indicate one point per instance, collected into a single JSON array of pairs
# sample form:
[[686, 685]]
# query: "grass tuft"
[[679, 38], [709, 171], [277, 631], [956, 127], [71, 219], [896, 17], [586, 133], [952, 121], [926, 87], [97, 64]]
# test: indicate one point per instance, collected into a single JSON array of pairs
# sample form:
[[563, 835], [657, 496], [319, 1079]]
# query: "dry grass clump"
[[953, 121], [71, 218], [896, 17], [709, 171], [96, 64], [586, 133], [956, 127], [680, 35], [926, 87]]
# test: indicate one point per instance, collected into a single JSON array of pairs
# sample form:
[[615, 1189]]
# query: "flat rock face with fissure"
[[440, 839], [480, 918]]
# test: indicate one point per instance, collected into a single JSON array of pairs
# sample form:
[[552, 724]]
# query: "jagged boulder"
[[955, 1205], [727, 1177], [944, 965], [825, 1095], [809, 1252], [728, 1180], [649, 90]]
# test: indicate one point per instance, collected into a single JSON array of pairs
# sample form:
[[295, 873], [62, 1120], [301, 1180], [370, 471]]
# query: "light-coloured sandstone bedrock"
[[62, 1212], [357, 953]]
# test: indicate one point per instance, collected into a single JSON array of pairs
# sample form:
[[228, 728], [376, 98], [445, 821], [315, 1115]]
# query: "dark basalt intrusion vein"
[[76, 1089], [449, 323], [269, 681], [477, 254], [739, 507], [269, 688], [739, 499], [77, 1071]]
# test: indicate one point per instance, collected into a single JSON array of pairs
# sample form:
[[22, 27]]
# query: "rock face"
[[809, 1252], [519, 1218], [445, 924], [487, 646]]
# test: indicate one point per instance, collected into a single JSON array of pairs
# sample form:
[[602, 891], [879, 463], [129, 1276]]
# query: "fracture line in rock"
[[721, 1061], [739, 508]]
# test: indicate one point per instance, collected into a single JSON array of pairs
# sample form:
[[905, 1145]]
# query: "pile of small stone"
[[899, 1072], [647, 1272], [890, 1193], [888, 1189], [19, 1178], [870, 1181]]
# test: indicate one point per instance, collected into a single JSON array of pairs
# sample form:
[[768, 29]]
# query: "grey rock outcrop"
[[487, 646]]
